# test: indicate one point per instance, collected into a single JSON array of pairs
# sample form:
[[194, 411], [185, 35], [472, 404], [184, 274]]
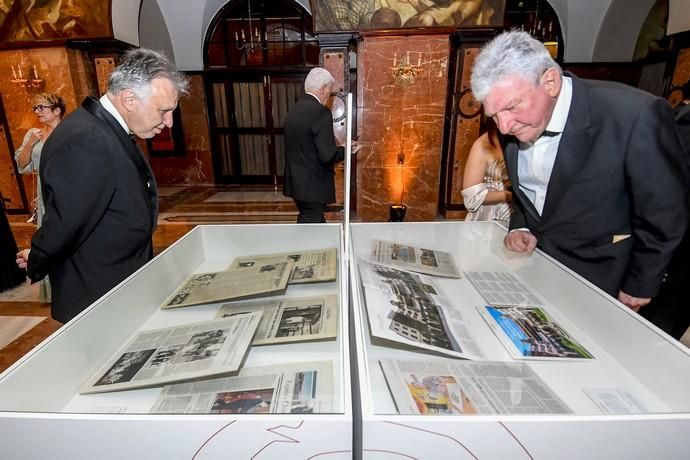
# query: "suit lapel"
[[133, 153], [573, 149]]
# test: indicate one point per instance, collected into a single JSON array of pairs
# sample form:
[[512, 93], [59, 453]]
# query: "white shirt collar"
[[560, 111], [110, 108]]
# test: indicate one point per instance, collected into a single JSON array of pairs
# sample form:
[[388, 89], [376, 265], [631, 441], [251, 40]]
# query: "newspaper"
[[469, 387], [161, 356], [310, 266], [290, 320], [529, 333], [503, 288], [263, 279], [428, 261], [405, 307], [305, 388]]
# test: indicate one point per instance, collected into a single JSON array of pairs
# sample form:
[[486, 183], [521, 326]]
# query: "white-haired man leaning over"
[[598, 175]]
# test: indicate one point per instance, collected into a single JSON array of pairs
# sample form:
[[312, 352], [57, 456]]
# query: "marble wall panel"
[[196, 166], [400, 123]]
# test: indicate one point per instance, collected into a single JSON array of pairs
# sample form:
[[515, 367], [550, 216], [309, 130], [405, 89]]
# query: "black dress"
[[10, 274]]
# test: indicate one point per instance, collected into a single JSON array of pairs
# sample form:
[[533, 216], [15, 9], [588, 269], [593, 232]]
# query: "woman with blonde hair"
[[49, 109]]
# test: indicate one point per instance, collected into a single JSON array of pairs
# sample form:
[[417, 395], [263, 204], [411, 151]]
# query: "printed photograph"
[[126, 367]]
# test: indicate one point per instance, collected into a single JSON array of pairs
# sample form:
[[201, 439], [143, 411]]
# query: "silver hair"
[[318, 78], [139, 67], [511, 53]]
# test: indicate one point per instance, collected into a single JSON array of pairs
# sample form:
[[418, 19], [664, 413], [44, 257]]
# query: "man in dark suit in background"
[[310, 149], [99, 191], [600, 182]]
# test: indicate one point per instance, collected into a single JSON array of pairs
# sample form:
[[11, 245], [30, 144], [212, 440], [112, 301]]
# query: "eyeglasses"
[[40, 107]]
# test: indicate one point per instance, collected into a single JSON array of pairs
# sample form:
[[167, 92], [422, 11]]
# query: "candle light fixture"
[[26, 77], [255, 40]]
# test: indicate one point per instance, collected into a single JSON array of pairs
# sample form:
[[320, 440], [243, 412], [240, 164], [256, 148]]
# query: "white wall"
[[125, 14], [619, 30], [153, 32]]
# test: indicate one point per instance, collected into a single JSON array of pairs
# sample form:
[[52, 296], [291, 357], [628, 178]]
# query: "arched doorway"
[[256, 56]]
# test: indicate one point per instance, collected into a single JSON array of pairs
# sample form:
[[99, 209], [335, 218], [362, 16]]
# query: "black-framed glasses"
[[40, 107]]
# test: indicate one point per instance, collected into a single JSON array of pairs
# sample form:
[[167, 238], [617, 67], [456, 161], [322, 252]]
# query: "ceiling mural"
[[337, 15], [45, 20]]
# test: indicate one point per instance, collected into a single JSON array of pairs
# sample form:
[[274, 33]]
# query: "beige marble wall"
[[397, 122]]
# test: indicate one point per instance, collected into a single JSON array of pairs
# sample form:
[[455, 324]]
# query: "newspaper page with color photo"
[[304, 388], [406, 257], [310, 266], [161, 356], [530, 333], [290, 320], [469, 387], [406, 308], [261, 280]]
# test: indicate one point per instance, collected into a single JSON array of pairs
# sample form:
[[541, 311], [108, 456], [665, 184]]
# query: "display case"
[[43, 414], [631, 400]]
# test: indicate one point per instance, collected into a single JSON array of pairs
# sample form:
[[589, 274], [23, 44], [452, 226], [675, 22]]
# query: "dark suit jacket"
[[619, 170], [101, 209], [310, 152]]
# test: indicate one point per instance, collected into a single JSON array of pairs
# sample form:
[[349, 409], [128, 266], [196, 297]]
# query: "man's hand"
[[633, 303], [520, 241], [23, 258]]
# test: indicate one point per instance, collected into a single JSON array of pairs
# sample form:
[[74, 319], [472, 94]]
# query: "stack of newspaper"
[[255, 276]]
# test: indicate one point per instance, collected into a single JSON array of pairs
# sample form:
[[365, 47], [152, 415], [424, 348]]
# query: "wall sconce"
[[405, 73], [255, 40], [18, 78], [397, 212]]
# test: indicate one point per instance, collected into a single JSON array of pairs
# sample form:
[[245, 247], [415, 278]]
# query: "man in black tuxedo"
[[99, 191], [311, 150], [600, 182]]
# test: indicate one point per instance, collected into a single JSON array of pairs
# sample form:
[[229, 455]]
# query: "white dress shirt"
[[536, 159]]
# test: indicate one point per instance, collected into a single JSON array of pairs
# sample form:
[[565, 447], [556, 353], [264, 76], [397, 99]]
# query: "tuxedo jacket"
[[619, 171], [101, 209], [310, 152]]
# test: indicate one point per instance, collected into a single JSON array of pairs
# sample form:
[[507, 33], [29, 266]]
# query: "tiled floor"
[[181, 208]]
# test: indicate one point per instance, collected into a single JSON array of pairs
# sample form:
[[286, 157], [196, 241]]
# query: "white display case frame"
[[630, 353], [43, 416]]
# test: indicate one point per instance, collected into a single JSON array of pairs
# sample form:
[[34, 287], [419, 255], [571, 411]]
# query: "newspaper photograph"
[[503, 288], [405, 307], [428, 261], [261, 280], [468, 387], [167, 355], [290, 320], [310, 266], [529, 333], [303, 388]]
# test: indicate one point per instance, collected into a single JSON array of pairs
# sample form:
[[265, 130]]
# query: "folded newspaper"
[[406, 308], [264, 279], [468, 387], [172, 354], [406, 257], [304, 388], [310, 266], [290, 320]]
